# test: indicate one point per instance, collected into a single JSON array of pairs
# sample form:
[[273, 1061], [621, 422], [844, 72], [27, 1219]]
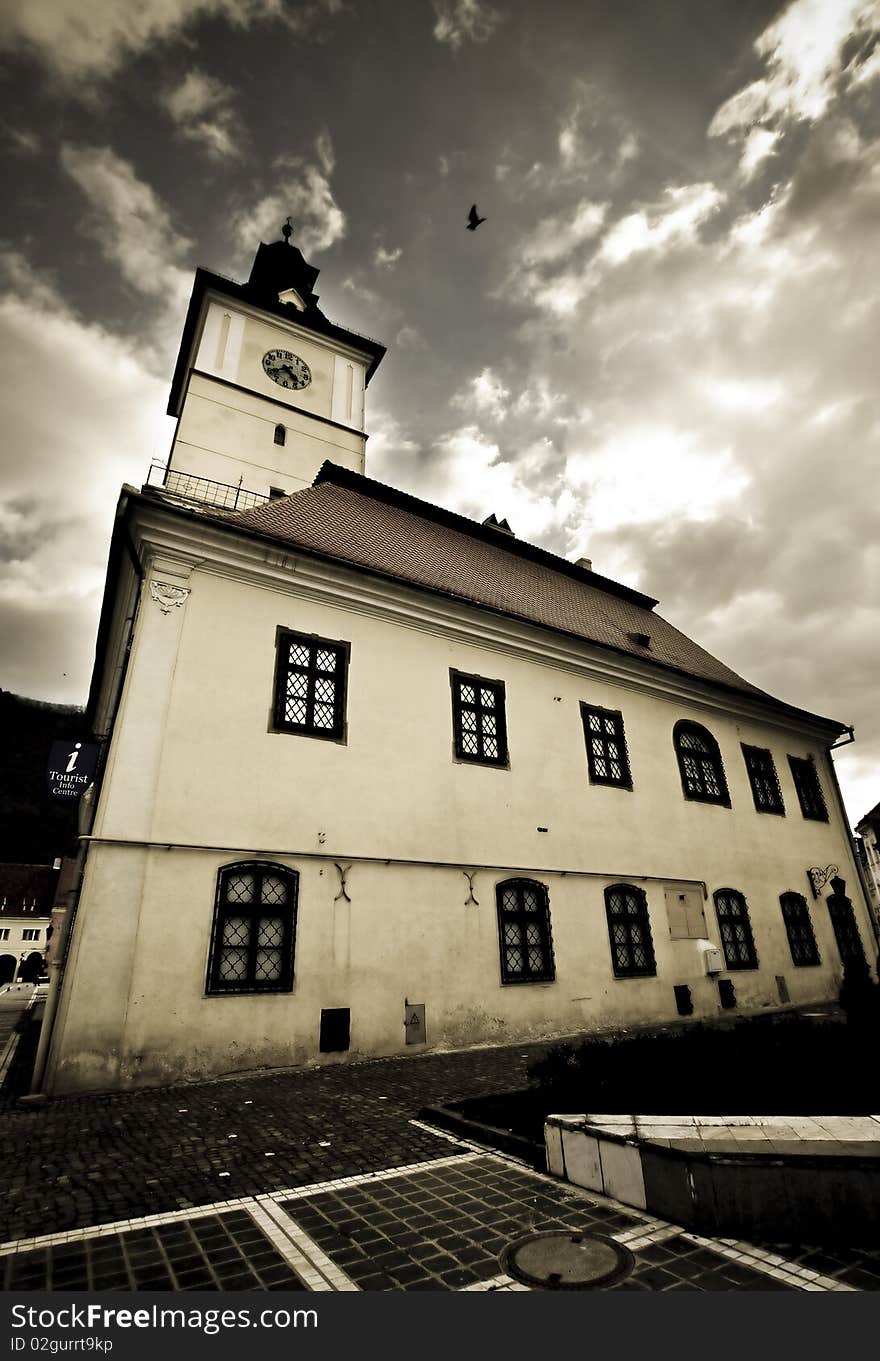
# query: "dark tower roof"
[[276, 268]]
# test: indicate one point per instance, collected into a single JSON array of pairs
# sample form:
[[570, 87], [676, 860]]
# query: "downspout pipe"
[[88, 808]]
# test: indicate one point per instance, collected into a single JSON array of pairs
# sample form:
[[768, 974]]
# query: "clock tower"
[[266, 388]]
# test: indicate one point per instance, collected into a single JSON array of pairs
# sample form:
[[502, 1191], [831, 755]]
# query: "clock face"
[[286, 369]]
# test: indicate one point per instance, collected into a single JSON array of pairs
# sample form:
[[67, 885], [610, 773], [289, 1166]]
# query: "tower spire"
[[287, 231]]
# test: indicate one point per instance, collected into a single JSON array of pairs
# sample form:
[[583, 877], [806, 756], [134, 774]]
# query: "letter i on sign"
[[73, 755]]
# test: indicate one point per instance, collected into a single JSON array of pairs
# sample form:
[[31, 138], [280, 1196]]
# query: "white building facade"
[[378, 778]]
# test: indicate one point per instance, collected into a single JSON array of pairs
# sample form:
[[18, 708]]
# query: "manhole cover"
[[563, 1260]]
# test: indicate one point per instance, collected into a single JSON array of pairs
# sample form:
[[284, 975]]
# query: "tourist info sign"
[[71, 768]]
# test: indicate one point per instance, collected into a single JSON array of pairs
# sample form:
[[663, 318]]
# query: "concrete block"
[[581, 1154], [553, 1145], [622, 1172]]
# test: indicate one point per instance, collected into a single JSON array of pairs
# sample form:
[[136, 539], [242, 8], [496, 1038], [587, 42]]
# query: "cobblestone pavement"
[[327, 1180], [90, 1159]]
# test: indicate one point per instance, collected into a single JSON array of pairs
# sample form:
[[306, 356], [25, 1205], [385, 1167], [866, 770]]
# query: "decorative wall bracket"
[[167, 596], [470, 875], [819, 878], [343, 892]]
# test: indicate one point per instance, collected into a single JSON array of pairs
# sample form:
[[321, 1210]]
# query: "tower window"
[[700, 764], [809, 790], [478, 719], [763, 779], [310, 685], [280, 434]]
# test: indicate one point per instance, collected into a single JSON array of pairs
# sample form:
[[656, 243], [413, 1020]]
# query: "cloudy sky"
[[659, 351]]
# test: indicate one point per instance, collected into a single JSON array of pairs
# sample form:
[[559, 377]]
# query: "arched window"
[[252, 942], [700, 765], [799, 927], [629, 930], [736, 929], [280, 434], [524, 932]]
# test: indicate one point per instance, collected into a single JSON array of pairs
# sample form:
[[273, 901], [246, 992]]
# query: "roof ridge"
[[338, 475]]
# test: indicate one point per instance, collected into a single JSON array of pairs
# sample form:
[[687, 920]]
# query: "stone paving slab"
[[93, 1159], [225, 1251]]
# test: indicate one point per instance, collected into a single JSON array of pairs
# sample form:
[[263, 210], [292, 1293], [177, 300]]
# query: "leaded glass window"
[[763, 778], [310, 684], [809, 790], [607, 756], [252, 943], [524, 932], [799, 928], [700, 765], [629, 931], [736, 930], [478, 719]]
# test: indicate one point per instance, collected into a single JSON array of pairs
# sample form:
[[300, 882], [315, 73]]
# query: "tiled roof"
[[870, 818], [356, 520], [21, 885]]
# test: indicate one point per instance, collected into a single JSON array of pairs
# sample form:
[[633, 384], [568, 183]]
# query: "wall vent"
[[335, 1029], [683, 1001]]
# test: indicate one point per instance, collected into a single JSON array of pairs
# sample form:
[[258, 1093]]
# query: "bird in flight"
[[474, 219]]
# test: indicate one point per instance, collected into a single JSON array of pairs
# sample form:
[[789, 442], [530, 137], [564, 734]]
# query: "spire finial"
[[287, 231]]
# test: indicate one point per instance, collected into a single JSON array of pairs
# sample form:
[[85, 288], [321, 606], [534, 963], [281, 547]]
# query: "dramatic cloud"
[[804, 54], [460, 21], [203, 111], [101, 429], [92, 40], [724, 460], [465, 471], [130, 224], [302, 191], [485, 395], [386, 259]]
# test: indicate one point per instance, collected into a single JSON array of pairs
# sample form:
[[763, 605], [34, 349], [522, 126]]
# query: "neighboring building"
[[26, 895], [868, 844], [379, 776]]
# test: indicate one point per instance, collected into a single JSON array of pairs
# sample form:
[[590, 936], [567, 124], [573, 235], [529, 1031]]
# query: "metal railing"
[[204, 489]]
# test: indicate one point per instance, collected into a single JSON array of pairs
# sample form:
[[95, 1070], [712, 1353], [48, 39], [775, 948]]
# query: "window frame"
[[458, 679], [642, 919], [283, 667], [795, 931], [223, 908], [724, 919], [614, 716], [520, 913], [812, 801], [30, 934], [713, 756], [758, 778]]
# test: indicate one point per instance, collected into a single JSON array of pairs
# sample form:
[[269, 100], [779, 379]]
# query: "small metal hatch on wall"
[[414, 1022]]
